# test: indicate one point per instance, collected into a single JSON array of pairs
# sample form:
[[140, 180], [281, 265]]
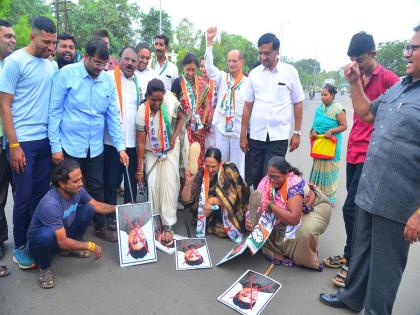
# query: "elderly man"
[[273, 87], [388, 197], [83, 100], [65, 52], [227, 115], [166, 70], [25, 83]]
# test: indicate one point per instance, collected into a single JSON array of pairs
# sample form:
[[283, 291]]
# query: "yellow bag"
[[323, 147]]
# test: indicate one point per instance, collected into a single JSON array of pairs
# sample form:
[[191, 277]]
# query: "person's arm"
[[101, 207], [361, 103], [67, 243], [412, 227], [212, 71], [293, 211], [205, 112], [298, 112], [246, 115], [141, 142], [178, 126], [342, 121]]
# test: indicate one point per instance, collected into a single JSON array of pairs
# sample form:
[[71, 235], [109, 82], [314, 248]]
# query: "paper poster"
[[251, 293], [136, 240], [238, 250], [166, 247], [192, 253], [261, 232]]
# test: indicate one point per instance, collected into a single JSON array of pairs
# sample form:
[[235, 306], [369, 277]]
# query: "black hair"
[[194, 262], [268, 38], [190, 58], [280, 164], [96, 46], [214, 153], [5, 23], [66, 36], [138, 253], [127, 47], [155, 85], [361, 43], [330, 88], [101, 33], [43, 23], [141, 46], [61, 172], [241, 304], [164, 37], [417, 28]]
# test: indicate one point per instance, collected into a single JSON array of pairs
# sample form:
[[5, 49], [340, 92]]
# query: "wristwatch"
[[297, 132]]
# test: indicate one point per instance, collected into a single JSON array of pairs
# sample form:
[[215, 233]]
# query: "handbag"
[[323, 147]]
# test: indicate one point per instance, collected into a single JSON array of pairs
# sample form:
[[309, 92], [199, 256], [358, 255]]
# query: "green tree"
[[308, 70], [186, 35], [389, 54], [149, 26]]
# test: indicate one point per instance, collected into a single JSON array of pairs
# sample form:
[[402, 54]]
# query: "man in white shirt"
[[166, 70], [230, 103], [143, 73], [272, 89]]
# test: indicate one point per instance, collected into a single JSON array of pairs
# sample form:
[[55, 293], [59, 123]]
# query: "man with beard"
[[143, 73], [66, 49], [61, 219], [166, 70]]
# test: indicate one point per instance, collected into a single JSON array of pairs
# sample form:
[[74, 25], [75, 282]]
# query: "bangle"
[[91, 246], [139, 173], [14, 145], [418, 211]]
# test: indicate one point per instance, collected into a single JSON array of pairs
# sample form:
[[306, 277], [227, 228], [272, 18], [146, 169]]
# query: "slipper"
[[335, 262], [46, 278], [340, 278], [83, 253], [193, 156], [4, 272], [254, 203]]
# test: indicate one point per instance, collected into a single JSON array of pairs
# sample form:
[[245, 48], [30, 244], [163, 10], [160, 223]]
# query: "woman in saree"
[[158, 123], [219, 197], [329, 120], [285, 194], [191, 90]]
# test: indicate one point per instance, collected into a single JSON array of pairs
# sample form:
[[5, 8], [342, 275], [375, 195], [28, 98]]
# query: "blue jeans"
[[43, 243]]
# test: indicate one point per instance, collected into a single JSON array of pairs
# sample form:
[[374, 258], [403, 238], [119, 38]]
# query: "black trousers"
[[5, 179]]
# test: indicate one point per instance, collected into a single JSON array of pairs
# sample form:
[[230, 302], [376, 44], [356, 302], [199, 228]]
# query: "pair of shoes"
[[332, 300], [23, 259], [340, 278], [46, 278], [106, 235], [2, 250]]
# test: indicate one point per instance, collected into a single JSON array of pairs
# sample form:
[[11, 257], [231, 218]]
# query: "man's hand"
[[97, 251], [57, 157], [17, 159], [244, 144], [211, 34], [294, 142], [352, 72], [124, 158], [412, 228]]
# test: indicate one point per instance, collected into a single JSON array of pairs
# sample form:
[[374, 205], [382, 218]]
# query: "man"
[[83, 99], [272, 89], [388, 198], [166, 70], [228, 112], [375, 80], [143, 73], [104, 35], [61, 219], [7, 46], [25, 83], [66, 50], [128, 101]]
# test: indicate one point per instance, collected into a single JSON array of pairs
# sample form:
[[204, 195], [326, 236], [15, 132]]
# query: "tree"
[[308, 70], [186, 36], [389, 54], [149, 26]]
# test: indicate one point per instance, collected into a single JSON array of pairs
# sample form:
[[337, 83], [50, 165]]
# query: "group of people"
[[217, 142]]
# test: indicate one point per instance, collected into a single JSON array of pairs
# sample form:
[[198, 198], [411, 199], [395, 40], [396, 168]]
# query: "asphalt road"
[[87, 286]]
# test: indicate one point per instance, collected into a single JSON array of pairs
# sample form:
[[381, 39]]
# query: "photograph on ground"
[[192, 253]]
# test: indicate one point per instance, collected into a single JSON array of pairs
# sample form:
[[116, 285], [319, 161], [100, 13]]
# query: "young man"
[[65, 52], [143, 73], [25, 83], [166, 70], [61, 219]]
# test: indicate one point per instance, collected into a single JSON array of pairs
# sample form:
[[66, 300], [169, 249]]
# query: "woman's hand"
[[314, 134], [328, 133], [188, 176], [214, 201], [207, 209]]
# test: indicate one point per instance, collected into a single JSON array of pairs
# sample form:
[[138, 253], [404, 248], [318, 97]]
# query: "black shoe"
[[2, 250], [332, 300]]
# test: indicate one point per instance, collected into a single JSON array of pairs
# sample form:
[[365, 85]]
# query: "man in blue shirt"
[[24, 96], [61, 220], [83, 100]]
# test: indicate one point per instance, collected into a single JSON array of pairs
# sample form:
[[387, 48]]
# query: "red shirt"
[[381, 80]]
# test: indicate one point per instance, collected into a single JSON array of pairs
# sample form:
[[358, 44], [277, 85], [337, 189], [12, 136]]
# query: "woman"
[[158, 123], [329, 120], [191, 91], [219, 193], [283, 191]]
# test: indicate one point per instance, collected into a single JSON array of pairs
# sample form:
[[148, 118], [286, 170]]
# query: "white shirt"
[[129, 110], [144, 78], [168, 74], [273, 93], [219, 77]]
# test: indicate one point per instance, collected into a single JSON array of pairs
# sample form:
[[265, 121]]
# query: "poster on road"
[[192, 253], [238, 250]]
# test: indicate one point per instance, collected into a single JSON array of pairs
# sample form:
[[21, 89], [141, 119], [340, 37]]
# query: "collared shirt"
[[1, 122], [219, 77], [130, 103], [28, 79], [381, 80], [144, 78], [79, 107], [389, 183], [167, 73], [273, 93]]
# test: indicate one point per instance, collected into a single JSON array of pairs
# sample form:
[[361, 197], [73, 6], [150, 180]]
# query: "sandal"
[[335, 262], [83, 253], [340, 278], [193, 156], [46, 278], [4, 272], [254, 203]]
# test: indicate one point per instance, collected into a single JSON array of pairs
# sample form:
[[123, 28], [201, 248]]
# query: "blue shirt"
[[28, 78], [56, 212], [79, 108]]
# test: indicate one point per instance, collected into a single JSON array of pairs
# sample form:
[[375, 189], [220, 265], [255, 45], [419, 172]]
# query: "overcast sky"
[[306, 28]]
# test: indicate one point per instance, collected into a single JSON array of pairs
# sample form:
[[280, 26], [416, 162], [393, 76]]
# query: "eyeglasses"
[[99, 64], [409, 49], [273, 177]]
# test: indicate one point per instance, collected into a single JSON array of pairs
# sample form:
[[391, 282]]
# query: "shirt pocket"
[[282, 93], [407, 122], [100, 101]]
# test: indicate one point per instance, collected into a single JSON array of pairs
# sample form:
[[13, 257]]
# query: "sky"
[[306, 29]]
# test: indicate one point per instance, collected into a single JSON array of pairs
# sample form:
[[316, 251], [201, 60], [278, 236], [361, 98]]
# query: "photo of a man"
[[192, 253]]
